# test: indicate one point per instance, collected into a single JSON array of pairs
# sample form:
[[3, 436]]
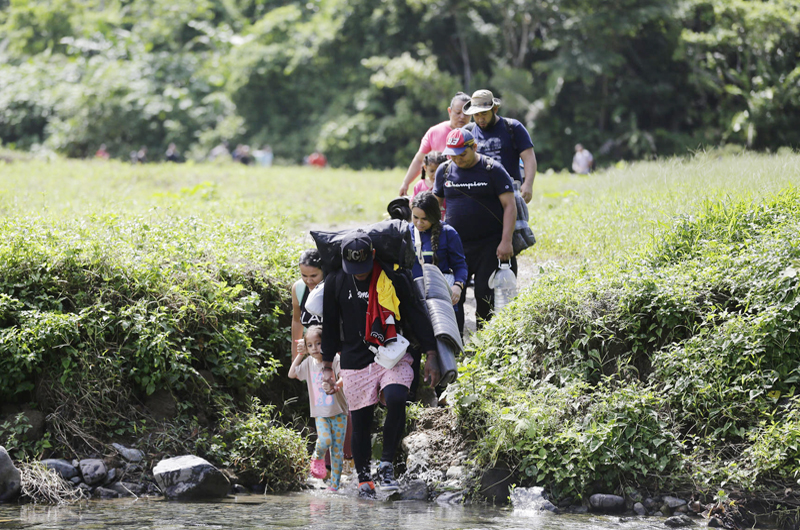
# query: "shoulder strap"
[[448, 166], [338, 282], [300, 291], [418, 245], [510, 129]]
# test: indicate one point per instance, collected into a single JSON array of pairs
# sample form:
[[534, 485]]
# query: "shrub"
[[670, 366], [254, 444]]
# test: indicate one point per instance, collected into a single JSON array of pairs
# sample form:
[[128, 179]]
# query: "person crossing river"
[[351, 300]]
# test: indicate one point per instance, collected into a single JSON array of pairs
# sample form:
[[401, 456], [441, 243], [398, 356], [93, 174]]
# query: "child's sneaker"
[[386, 477], [318, 468], [366, 490]]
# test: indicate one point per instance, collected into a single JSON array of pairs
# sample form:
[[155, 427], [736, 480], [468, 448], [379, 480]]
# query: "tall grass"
[[609, 213], [299, 197]]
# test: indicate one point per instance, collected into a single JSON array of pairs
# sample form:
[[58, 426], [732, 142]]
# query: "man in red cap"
[[483, 211]]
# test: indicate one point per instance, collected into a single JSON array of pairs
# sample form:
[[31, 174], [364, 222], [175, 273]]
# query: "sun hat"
[[481, 100], [457, 141], [357, 252]]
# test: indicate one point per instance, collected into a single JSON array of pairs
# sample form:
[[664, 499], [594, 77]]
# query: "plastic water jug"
[[504, 283]]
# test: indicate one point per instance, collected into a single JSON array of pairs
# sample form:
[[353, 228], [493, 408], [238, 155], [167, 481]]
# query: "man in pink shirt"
[[434, 139]]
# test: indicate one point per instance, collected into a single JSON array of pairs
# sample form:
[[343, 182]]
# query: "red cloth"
[[379, 332]]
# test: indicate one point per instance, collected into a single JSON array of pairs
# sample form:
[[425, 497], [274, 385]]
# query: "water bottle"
[[504, 283]]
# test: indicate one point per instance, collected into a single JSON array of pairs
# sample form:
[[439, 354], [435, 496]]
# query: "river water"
[[312, 510]]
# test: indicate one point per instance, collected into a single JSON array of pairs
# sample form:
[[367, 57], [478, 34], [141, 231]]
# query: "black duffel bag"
[[391, 240]]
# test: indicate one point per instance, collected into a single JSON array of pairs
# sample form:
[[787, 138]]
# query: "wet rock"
[[673, 502], [104, 493], [650, 504], [417, 463], [416, 442], [495, 484], [62, 467], [578, 509], [532, 499], [697, 507], [85, 488], [131, 455], [93, 470], [682, 509], [128, 489], [715, 522], [455, 472], [566, 502], [190, 477], [75, 480], [454, 497], [132, 469], [10, 478], [111, 476], [679, 521], [238, 489], [639, 509], [416, 490], [605, 503]]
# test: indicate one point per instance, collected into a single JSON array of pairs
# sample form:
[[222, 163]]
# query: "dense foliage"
[[362, 80], [99, 313], [674, 369]]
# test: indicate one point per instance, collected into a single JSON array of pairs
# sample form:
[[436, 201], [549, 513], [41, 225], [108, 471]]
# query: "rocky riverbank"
[[436, 469]]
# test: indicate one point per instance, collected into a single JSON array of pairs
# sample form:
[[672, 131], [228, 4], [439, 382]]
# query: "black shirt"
[[345, 316]]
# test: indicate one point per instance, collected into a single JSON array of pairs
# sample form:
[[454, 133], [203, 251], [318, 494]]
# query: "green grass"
[[607, 214], [298, 197]]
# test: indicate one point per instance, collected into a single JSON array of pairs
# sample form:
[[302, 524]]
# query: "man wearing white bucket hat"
[[504, 139]]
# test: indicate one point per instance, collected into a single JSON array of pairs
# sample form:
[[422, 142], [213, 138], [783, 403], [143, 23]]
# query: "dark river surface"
[[315, 510]]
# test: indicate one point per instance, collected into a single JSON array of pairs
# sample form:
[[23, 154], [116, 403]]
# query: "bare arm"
[[505, 250], [295, 363], [414, 169], [297, 327], [529, 159]]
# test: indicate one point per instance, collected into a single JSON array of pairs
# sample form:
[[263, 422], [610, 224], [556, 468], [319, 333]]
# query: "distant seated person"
[[242, 154], [219, 151], [264, 156], [317, 159], [102, 153], [172, 154], [583, 161], [140, 156]]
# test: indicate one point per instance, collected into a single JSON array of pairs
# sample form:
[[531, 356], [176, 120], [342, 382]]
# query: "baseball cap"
[[457, 141], [356, 252], [481, 100]]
